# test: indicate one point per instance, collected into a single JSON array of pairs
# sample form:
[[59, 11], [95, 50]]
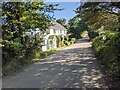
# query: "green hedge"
[[59, 41], [64, 41], [67, 43], [108, 50], [73, 40], [92, 34]]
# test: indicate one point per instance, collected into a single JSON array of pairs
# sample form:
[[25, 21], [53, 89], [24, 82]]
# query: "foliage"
[[92, 33], [59, 41], [76, 27], [73, 40], [24, 24], [43, 54], [67, 43], [66, 38], [64, 41], [62, 21], [108, 50], [97, 15], [103, 20]]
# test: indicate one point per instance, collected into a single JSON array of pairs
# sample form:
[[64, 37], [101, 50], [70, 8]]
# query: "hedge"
[[108, 50]]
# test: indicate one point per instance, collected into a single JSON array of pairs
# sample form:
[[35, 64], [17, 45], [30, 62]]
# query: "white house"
[[50, 37]]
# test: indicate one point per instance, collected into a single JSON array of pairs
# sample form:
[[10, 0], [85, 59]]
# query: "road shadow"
[[68, 68]]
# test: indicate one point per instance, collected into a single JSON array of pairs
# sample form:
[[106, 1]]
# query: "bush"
[[58, 40], [73, 40], [67, 43], [108, 50], [66, 38], [92, 34], [18, 62]]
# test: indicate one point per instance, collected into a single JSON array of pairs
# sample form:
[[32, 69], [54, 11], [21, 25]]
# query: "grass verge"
[[15, 65]]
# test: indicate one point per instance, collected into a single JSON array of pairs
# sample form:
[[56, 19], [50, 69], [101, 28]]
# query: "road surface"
[[72, 67]]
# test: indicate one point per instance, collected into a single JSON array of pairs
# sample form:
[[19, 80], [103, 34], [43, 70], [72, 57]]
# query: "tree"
[[61, 21], [20, 20], [76, 27], [98, 14], [103, 19]]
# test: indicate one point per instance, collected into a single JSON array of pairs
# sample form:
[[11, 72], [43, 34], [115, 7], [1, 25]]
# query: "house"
[[50, 38]]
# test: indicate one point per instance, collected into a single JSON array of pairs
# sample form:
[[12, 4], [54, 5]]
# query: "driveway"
[[72, 67]]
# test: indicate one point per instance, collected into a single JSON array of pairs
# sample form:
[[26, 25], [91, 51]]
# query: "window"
[[54, 31], [43, 42], [61, 31], [48, 31]]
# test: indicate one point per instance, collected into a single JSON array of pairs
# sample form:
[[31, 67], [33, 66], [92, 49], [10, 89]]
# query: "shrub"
[[58, 40], [62, 41], [67, 43], [66, 38], [92, 34], [73, 40], [108, 50]]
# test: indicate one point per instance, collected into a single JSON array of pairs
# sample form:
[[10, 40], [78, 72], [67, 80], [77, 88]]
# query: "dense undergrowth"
[[23, 28], [34, 55], [103, 21], [107, 48]]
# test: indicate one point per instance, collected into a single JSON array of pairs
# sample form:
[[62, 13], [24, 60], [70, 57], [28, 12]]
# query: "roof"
[[57, 26]]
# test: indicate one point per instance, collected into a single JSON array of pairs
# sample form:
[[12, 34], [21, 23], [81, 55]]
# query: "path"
[[72, 67]]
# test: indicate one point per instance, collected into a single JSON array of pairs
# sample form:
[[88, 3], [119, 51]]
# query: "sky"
[[68, 7]]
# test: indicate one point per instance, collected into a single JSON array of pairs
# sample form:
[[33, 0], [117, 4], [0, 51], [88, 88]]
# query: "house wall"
[[45, 47], [45, 41], [56, 32], [54, 42], [50, 32]]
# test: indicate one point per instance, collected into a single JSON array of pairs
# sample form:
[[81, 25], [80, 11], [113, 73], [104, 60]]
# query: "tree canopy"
[[61, 21], [76, 27], [103, 21], [20, 23], [99, 14]]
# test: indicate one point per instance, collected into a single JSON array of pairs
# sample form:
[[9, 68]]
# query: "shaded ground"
[[72, 67]]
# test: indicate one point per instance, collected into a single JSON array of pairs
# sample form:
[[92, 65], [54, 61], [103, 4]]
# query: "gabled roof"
[[57, 26]]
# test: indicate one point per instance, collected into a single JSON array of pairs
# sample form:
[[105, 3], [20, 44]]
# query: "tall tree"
[[77, 27], [61, 21], [103, 19], [98, 14], [20, 20]]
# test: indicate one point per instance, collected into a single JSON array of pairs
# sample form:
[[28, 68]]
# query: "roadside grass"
[[15, 65], [44, 54], [11, 67], [83, 34]]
